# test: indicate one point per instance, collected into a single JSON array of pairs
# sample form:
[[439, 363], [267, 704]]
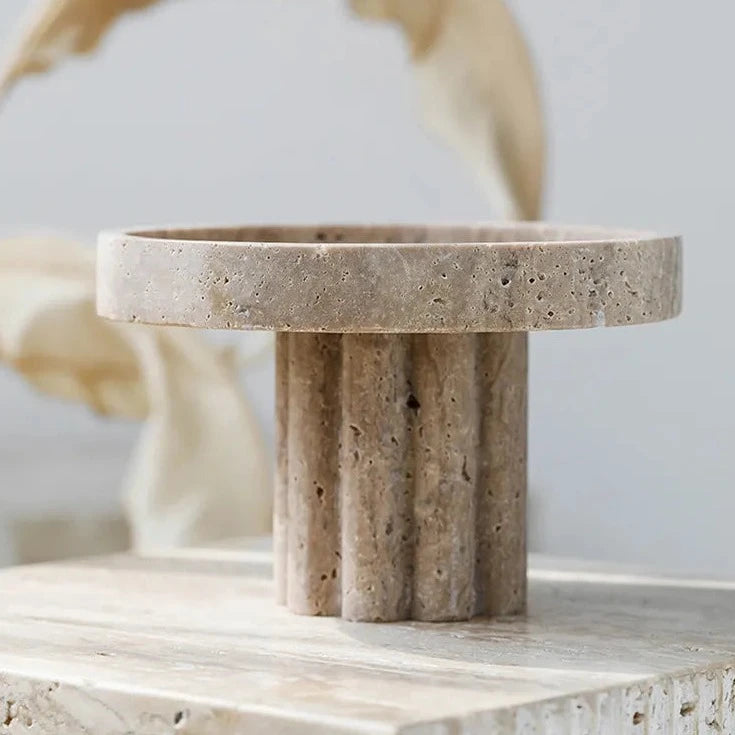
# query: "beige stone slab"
[[483, 278], [192, 642]]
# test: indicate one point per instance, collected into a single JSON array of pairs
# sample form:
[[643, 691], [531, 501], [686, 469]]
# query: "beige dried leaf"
[[60, 28], [478, 91], [200, 471], [49, 331]]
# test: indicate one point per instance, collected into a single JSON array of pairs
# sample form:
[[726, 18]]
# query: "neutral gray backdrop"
[[277, 110]]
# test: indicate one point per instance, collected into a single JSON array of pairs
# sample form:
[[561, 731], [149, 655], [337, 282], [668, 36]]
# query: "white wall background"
[[278, 110]]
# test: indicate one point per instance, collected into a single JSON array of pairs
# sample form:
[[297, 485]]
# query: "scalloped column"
[[401, 475]]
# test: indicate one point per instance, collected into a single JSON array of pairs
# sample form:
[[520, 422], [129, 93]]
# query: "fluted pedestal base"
[[401, 482]]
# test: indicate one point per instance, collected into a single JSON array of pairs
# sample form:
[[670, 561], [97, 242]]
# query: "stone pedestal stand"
[[401, 368]]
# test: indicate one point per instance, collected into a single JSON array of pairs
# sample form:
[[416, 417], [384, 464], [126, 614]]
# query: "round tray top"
[[391, 278]]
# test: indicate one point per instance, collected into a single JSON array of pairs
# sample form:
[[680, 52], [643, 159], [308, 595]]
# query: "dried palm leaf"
[[200, 470], [60, 28], [478, 91]]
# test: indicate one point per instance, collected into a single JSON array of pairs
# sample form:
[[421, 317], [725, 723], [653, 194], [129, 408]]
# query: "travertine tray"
[[401, 385]]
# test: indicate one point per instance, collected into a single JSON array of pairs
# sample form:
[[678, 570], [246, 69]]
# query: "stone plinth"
[[401, 386], [191, 643]]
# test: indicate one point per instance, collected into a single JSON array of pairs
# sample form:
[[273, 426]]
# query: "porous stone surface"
[[488, 278], [401, 481], [401, 381], [312, 441], [190, 642]]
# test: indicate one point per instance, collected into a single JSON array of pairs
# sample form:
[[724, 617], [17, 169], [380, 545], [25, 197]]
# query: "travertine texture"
[[401, 380], [489, 278], [500, 544], [446, 443], [314, 367], [193, 644], [402, 460], [376, 475], [280, 490]]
